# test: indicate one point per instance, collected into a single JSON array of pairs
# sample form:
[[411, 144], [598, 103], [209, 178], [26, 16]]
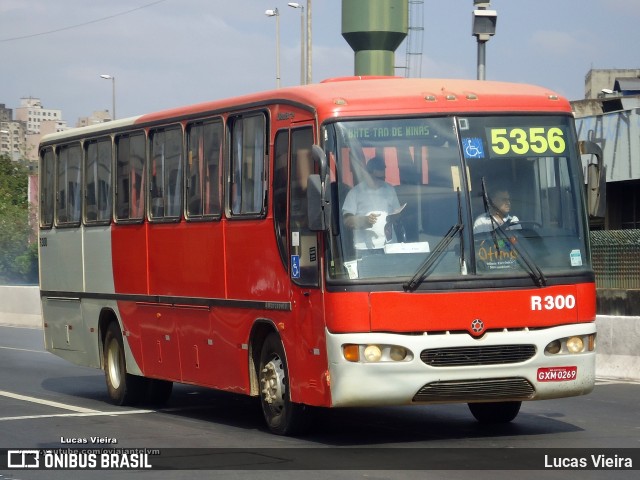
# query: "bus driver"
[[499, 213]]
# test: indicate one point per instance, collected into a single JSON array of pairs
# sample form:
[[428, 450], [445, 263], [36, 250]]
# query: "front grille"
[[471, 390], [477, 355]]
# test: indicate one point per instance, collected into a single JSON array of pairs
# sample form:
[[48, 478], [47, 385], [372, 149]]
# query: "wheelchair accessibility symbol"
[[473, 147], [295, 266]]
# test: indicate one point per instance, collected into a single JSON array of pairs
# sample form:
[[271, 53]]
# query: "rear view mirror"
[[596, 180], [318, 196]]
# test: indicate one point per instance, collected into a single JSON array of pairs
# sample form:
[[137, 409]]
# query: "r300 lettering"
[[559, 302]]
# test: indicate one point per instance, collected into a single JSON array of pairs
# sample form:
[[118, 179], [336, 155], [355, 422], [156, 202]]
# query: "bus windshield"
[[421, 199]]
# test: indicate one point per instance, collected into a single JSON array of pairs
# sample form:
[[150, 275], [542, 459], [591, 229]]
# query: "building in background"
[[610, 117], [599, 82], [96, 117], [33, 114], [21, 134], [11, 135]]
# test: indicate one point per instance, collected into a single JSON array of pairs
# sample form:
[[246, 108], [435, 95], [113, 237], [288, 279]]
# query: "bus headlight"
[[575, 345], [397, 354], [554, 347], [374, 353], [571, 345]]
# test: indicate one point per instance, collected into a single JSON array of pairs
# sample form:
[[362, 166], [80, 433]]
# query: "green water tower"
[[375, 29]]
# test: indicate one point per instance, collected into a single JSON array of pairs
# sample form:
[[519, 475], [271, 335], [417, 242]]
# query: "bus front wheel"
[[123, 388], [495, 412], [283, 417]]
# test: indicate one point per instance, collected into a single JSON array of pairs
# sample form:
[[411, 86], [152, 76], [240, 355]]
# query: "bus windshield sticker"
[[473, 147], [295, 266], [576, 258]]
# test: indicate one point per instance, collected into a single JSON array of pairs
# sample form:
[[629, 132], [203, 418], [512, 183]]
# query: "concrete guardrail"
[[618, 344]]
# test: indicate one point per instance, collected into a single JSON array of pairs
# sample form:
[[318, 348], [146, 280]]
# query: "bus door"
[[303, 256]]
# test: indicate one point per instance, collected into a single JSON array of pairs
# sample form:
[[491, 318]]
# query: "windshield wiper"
[[441, 247], [463, 262], [534, 271]]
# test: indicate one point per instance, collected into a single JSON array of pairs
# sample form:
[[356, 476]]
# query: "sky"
[[167, 53]]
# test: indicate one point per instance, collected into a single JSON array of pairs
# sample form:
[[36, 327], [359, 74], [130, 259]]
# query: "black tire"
[[495, 412], [158, 391], [123, 388], [283, 417]]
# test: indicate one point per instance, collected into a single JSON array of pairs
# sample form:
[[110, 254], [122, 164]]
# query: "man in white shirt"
[[499, 214], [367, 206]]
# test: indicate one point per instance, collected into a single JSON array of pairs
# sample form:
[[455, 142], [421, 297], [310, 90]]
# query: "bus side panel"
[[61, 264], [71, 320], [254, 270], [198, 346], [305, 346], [97, 257], [129, 250], [186, 259], [159, 340], [131, 335], [61, 284]]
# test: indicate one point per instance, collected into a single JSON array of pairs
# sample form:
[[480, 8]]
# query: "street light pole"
[[483, 28], [276, 13], [308, 56], [113, 92], [303, 76]]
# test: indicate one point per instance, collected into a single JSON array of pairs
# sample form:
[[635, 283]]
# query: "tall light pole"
[[276, 13], [308, 42], [113, 92], [303, 76], [483, 28]]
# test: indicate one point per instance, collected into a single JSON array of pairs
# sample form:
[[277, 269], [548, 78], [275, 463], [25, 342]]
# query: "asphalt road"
[[48, 403]]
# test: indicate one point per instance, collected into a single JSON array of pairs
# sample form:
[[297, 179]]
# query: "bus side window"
[[204, 152], [247, 168], [280, 177], [130, 174], [98, 181], [165, 182], [68, 205], [47, 191], [304, 242]]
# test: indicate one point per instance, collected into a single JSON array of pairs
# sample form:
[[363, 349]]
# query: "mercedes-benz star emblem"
[[477, 326]]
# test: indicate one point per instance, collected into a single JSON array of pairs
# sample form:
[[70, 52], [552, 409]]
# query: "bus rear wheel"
[[283, 417], [123, 388], [495, 412]]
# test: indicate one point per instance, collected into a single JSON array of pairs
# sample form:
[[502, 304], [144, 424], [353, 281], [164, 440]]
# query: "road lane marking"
[[40, 401], [79, 414], [5, 324], [23, 350]]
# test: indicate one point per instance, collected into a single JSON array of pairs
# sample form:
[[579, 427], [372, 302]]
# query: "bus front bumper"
[[459, 368]]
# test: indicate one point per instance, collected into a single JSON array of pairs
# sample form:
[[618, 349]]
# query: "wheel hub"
[[113, 365], [272, 382]]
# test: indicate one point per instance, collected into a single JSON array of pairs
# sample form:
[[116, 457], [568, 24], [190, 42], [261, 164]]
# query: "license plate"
[[557, 374]]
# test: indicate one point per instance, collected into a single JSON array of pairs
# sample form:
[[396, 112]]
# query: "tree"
[[18, 257]]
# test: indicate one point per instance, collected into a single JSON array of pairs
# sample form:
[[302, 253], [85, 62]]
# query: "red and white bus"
[[209, 245]]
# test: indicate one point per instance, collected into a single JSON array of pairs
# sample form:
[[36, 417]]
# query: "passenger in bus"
[[499, 213], [367, 206]]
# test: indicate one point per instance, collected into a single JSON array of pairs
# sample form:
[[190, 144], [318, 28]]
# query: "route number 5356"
[[534, 140]]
